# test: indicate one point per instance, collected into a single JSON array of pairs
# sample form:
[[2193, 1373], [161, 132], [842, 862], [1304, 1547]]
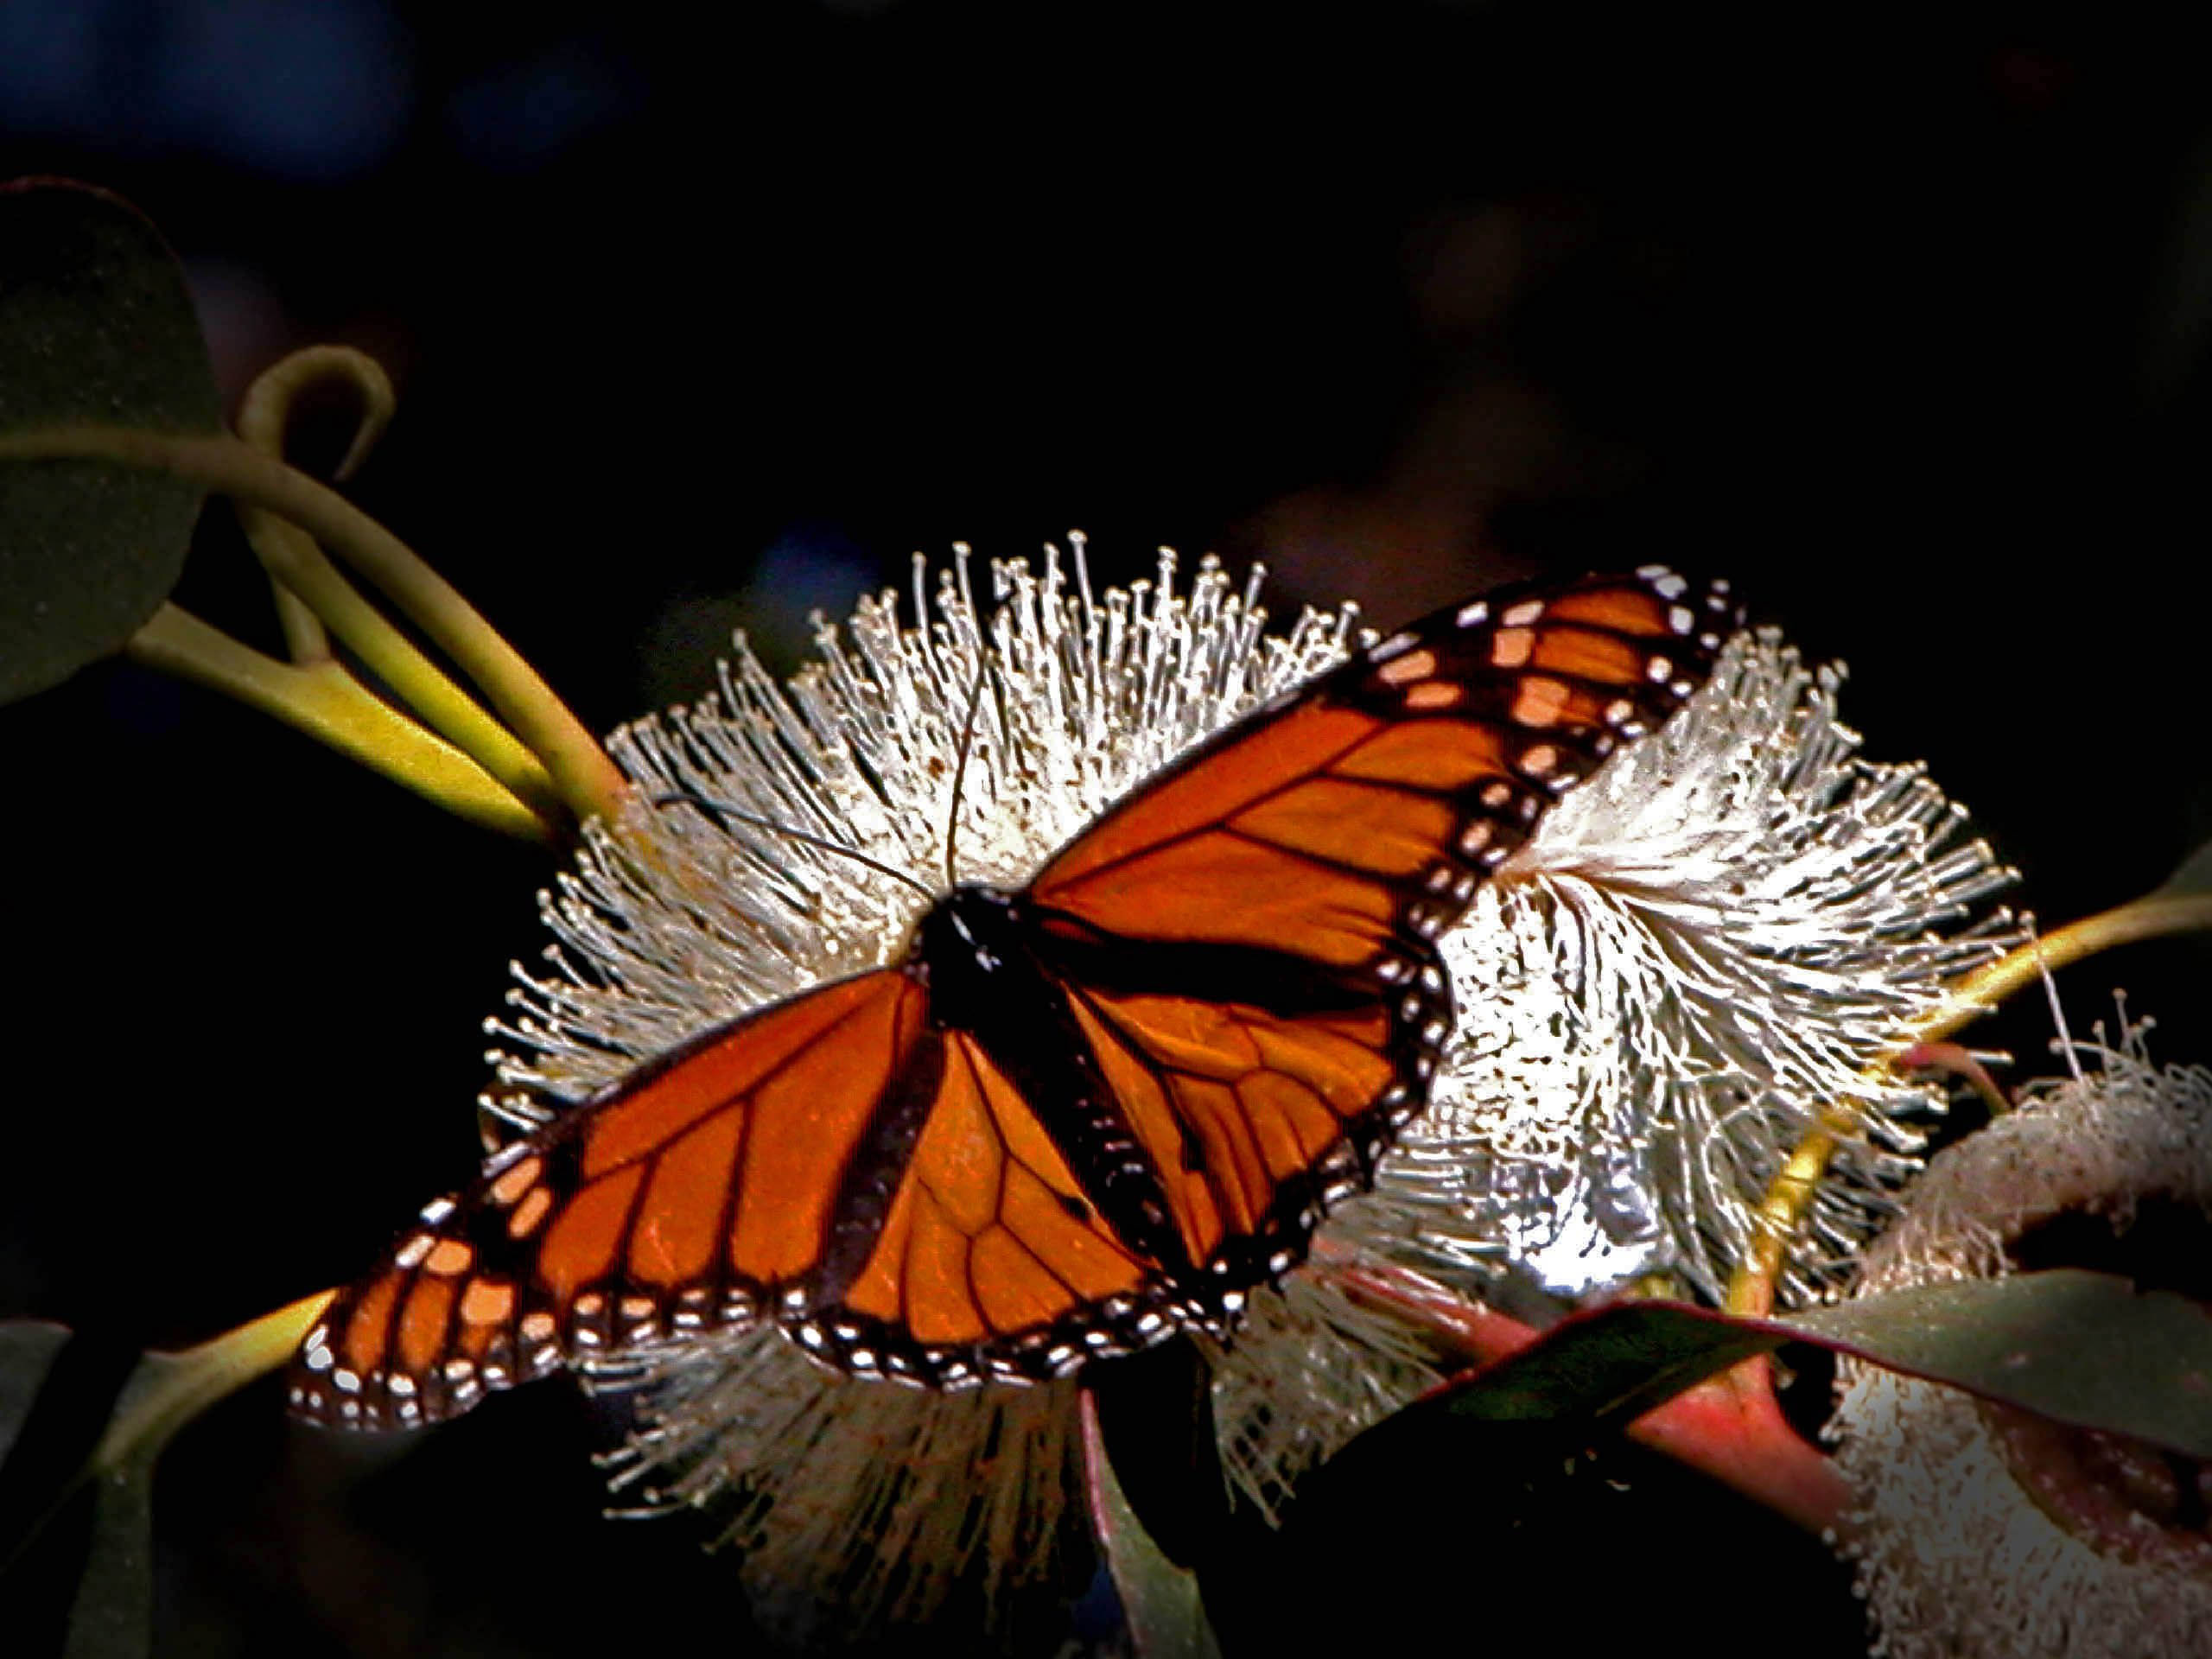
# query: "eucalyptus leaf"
[[1612, 1365], [111, 1616], [28, 1351], [2086, 1349], [1167, 1614], [97, 328], [2082, 1349], [111, 1605]]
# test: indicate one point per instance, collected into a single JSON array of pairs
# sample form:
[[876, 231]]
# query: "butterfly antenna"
[[960, 762], [738, 814]]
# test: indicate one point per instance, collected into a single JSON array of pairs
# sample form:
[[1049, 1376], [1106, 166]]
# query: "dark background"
[[707, 321]]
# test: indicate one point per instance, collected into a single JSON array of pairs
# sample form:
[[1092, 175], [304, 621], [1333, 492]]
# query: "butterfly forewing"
[[1363, 809]]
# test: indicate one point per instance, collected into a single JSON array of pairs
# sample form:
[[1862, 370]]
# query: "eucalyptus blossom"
[[1709, 941]]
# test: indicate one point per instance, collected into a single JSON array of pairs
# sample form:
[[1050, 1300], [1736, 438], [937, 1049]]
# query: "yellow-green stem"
[[297, 568], [189, 1382], [587, 780], [323, 700], [1752, 1289]]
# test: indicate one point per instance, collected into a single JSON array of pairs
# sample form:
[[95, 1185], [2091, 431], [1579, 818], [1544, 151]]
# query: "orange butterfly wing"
[[1364, 806], [1345, 827], [691, 1195], [834, 1162]]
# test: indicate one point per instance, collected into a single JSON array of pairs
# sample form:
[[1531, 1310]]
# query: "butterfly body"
[[1073, 1117]]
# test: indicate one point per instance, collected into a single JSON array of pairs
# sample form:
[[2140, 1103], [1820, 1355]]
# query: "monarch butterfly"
[[1073, 1118]]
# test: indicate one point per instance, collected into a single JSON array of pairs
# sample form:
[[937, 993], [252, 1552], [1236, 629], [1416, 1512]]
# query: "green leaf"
[[111, 1616], [1156, 1426], [112, 1608], [28, 1348], [2081, 1348], [1610, 1365], [96, 328], [1166, 1612]]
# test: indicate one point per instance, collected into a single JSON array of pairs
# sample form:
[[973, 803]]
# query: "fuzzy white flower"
[[1955, 1557], [1705, 943], [1709, 943]]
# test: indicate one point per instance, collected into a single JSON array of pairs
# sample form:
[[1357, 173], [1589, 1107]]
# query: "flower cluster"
[[1709, 942]]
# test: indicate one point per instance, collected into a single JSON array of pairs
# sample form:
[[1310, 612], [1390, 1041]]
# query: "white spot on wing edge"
[[1396, 645], [506, 1157]]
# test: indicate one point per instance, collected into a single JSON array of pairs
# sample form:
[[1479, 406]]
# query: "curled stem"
[[267, 410], [263, 419], [2167, 911]]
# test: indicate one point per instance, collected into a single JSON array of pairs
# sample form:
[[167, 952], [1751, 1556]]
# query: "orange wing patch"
[[1358, 826], [1199, 855], [646, 1116], [1192, 799], [1430, 754]]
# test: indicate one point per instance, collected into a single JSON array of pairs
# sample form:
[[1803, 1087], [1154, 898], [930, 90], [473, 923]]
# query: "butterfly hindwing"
[[991, 1259], [1258, 1118]]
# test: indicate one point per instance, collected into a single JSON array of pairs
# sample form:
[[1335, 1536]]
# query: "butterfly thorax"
[[969, 947]]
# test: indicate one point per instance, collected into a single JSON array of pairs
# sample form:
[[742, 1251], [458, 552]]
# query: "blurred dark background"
[[705, 320]]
